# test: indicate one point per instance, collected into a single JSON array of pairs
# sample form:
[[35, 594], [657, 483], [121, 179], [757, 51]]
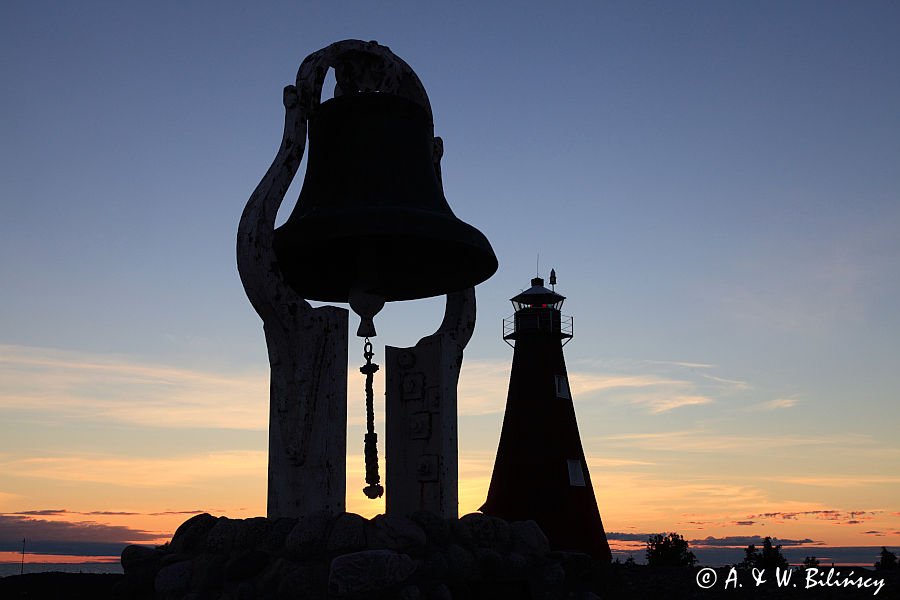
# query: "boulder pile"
[[345, 556]]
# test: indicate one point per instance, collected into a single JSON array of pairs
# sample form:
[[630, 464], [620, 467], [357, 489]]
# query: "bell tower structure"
[[540, 472]]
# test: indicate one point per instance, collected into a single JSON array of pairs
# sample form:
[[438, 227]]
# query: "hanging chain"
[[374, 489]]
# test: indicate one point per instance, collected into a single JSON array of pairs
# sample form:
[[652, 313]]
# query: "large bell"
[[371, 216]]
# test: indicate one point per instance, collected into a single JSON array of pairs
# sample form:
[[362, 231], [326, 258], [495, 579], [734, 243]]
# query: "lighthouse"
[[540, 472]]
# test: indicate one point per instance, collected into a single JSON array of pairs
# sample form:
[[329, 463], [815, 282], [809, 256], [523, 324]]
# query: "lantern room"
[[537, 311]]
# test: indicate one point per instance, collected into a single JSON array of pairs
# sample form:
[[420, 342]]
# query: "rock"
[[173, 580], [308, 581], [277, 534], [515, 566], [139, 558], [190, 536], [476, 530], [246, 565], [548, 583], [396, 533], [220, 539], [208, 573], [438, 531], [577, 565], [488, 562], [141, 564], [251, 533], [434, 567], [410, 592], [172, 558], [528, 538], [460, 563], [440, 592], [272, 576], [368, 571], [246, 590], [348, 534], [308, 537]]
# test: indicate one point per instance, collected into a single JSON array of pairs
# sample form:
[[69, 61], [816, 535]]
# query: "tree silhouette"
[[888, 561], [810, 561], [769, 558], [669, 551]]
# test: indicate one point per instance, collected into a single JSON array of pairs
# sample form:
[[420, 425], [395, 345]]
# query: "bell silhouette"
[[371, 216]]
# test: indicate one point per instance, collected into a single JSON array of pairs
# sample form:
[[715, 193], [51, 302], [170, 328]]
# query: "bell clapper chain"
[[367, 305], [374, 489]]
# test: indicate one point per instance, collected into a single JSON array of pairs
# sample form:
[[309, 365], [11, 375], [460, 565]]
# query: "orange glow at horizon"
[[61, 559]]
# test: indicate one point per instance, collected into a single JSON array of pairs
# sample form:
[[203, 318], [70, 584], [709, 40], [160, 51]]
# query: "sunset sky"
[[717, 185]]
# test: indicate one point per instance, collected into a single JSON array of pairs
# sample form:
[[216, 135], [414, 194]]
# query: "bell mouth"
[[397, 254]]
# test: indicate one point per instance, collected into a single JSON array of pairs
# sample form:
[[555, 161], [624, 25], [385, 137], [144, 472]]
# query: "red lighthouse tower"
[[540, 472]]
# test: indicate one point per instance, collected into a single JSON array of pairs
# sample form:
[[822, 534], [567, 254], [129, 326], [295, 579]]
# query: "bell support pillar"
[[307, 351], [420, 415]]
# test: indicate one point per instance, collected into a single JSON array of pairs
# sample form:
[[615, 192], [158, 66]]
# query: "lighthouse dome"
[[537, 296]]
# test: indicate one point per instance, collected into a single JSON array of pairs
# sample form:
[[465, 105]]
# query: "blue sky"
[[716, 184]]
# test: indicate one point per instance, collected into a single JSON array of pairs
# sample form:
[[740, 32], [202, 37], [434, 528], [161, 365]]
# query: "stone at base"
[[348, 556]]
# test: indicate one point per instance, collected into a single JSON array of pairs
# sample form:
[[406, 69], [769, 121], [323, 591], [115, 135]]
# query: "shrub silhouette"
[[769, 558], [669, 551], [888, 561]]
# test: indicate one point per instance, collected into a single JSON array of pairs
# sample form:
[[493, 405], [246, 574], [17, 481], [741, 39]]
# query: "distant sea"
[[7, 569]]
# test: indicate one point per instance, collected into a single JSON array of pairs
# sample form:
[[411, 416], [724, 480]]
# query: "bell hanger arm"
[[359, 67], [256, 260], [459, 317]]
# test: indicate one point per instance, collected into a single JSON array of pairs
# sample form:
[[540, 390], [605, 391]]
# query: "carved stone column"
[[420, 415]]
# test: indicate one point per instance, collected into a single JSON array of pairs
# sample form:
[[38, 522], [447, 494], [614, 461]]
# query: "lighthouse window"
[[576, 473], [562, 387]]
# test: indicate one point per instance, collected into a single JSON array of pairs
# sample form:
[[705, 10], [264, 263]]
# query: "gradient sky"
[[716, 184]]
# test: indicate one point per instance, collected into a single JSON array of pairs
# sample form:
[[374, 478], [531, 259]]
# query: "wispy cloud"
[[16, 527], [840, 482], [601, 461], [76, 385], [680, 363], [746, 540], [658, 386], [665, 405], [67, 537], [698, 440], [142, 472], [483, 387], [777, 403], [105, 513], [98, 387], [731, 384], [627, 537], [588, 383], [823, 515]]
